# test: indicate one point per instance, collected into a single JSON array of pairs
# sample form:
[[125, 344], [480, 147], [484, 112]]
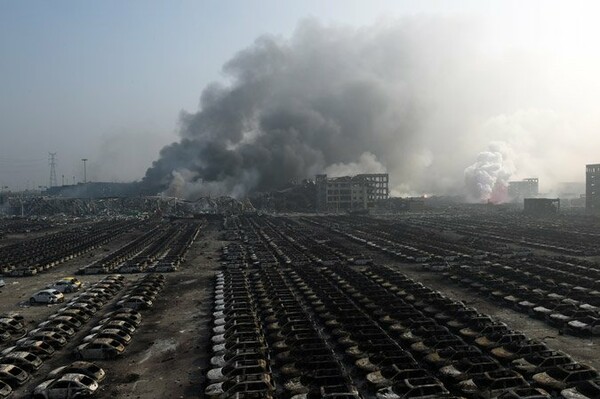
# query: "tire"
[[32, 301]]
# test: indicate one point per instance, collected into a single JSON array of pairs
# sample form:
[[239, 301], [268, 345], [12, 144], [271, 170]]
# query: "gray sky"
[[107, 80]]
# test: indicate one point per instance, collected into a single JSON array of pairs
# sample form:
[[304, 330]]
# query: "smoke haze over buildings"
[[419, 97], [420, 93]]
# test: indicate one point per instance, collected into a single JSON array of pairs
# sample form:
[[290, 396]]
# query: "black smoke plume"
[[418, 97], [325, 98]]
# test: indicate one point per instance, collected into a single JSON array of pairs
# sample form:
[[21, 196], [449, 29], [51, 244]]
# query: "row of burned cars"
[[162, 249], [110, 336], [310, 330], [16, 225], [256, 311], [563, 291], [24, 357], [405, 242], [569, 235], [566, 300], [105, 339], [33, 256], [254, 317]]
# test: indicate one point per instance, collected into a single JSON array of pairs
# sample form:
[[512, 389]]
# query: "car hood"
[[387, 393], [42, 387], [577, 324], [544, 378], [376, 378], [501, 352], [523, 364], [467, 386], [214, 389], [449, 371], [572, 394]]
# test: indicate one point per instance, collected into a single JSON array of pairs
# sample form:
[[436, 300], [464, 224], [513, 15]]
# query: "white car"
[[71, 385], [64, 286], [47, 296]]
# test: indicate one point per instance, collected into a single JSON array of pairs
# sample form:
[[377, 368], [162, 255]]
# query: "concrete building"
[[349, 193], [526, 188], [592, 188]]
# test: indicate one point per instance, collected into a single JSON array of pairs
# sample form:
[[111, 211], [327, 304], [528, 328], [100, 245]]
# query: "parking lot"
[[167, 334], [286, 306]]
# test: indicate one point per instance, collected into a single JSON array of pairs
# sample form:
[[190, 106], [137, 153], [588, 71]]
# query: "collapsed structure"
[[348, 193]]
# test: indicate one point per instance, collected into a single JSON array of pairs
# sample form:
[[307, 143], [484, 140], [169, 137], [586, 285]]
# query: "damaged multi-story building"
[[592, 188], [526, 188], [348, 193]]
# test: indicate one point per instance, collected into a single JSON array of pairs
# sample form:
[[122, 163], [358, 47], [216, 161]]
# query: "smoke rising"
[[487, 179], [327, 97], [367, 163], [418, 97]]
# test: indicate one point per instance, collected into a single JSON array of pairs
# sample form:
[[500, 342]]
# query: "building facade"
[[349, 193], [526, 188], [592, 188]]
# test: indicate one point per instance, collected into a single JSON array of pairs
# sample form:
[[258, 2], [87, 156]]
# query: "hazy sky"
[[107, 80]]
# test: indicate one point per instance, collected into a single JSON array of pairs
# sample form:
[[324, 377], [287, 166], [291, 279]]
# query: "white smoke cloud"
[[541, 143], [487, 179], [367, 163], [189, 184], [180, 180]]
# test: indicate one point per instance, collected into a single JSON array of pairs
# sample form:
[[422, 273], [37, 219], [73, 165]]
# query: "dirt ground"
[[168, 356]]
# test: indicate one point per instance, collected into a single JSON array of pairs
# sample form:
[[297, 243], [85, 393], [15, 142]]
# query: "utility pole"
[[52, 162], [84, 170], [63, 180]]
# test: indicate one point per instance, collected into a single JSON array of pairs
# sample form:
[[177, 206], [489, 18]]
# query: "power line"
[[84, 170], [52, 161]]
